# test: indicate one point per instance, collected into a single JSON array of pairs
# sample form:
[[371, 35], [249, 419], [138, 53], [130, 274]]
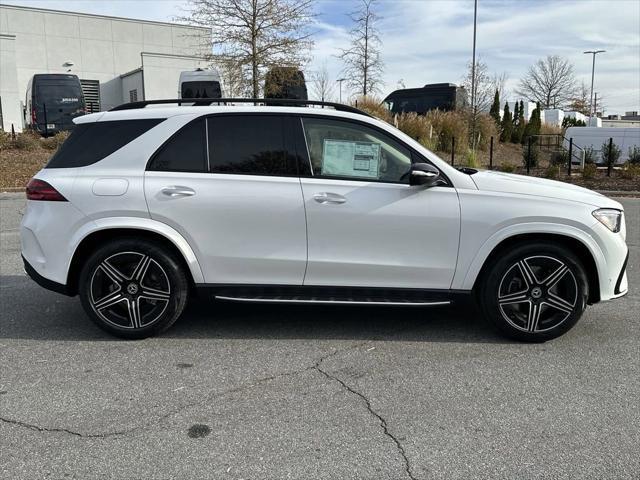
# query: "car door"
[[366, 225], [235, 198]]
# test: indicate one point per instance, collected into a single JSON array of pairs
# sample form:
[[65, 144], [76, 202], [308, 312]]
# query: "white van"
[[594, 137], [200, 83]]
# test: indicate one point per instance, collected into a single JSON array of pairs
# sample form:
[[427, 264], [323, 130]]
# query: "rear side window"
[[91, 142], [249, 144], [186, 151]]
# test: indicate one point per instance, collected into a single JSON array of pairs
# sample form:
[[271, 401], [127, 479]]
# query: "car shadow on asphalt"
[[32, 313]]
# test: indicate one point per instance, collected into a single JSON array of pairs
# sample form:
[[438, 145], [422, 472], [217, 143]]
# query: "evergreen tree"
[[495, 108], [522, 124], [533, 127], [516, 119], [507, 124]]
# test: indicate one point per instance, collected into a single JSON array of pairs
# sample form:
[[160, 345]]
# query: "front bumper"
[[45, 282]]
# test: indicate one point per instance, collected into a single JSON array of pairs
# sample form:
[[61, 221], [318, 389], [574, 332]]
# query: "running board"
[[331, 301]]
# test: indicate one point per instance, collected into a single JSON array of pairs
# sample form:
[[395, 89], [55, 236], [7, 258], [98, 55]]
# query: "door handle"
[[329, 198], [178, 191]]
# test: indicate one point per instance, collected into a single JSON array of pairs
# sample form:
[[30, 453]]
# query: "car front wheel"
[[535, 292], [133, 288]]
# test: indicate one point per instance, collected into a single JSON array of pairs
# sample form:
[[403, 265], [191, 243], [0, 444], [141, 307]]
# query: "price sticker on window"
[[341, 158]]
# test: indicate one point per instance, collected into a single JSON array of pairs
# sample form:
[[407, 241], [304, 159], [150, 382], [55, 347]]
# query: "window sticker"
[[350, 159]]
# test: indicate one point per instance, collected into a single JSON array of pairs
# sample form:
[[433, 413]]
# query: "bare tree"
[[483, 86], [499, 83], [580, 101], [250, 36], [550, 81], [363, 66], [323, 87]]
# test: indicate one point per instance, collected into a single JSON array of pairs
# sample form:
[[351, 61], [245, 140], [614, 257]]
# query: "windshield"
[[204, 89], [59, 93]]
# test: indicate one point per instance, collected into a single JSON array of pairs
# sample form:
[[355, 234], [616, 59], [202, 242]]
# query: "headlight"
[[609, 217]]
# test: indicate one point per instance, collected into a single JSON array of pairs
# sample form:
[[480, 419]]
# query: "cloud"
[[427, 41]]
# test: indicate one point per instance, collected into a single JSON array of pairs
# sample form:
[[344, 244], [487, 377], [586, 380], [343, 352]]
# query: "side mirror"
[[423, 174]]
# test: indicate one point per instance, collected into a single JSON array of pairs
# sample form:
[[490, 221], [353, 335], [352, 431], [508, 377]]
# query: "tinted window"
[[186, 151], [201, 90], [352, 150], [91, 142], [250, 144]]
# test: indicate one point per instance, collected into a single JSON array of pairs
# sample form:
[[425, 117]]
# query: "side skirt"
[[332, 295]]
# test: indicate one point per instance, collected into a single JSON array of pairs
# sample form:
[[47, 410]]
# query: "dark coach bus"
[[53, 100], [441, 96]]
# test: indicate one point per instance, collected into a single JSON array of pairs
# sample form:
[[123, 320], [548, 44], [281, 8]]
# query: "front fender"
[[140, 223], [466, 277]]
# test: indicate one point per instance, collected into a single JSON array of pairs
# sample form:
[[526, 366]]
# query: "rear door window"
[[186, 151], [250, 144], [91, 142]]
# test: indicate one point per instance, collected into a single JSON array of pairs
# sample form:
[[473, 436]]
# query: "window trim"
[[416, 157]]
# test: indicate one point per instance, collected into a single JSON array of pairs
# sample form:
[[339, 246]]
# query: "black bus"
[[53, 100], [441, 96], [285, 82]]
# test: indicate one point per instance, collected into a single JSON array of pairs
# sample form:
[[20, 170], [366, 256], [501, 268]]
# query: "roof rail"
[[198, 102]]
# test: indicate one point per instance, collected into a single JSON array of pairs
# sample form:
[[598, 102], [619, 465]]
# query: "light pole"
[[473, 78], [593, 69], [340, 80]]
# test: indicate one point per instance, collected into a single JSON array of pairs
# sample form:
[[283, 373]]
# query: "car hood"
[[520, 184]]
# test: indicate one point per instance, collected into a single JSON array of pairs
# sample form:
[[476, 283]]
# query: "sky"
[[429, 41]]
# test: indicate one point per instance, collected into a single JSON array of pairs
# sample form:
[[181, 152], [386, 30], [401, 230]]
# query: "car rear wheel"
[[535, 292], [133, 288]]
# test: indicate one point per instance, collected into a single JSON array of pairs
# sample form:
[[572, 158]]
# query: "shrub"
[[530, 156], [26, 141], [449, 125], [507, 167], [630, 171], [471, 159], [559, 159], [373, 106], [53, 143], [552, 171], [485, 129], [548, 129], [5, 140], [417, 127], [589, 171], [610, 157], [634, 155], [589, 155]]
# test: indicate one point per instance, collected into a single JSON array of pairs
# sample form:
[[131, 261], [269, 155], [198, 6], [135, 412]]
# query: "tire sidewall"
[[175, 273], [491, 282]]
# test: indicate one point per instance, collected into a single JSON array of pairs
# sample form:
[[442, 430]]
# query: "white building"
[[116, 59]]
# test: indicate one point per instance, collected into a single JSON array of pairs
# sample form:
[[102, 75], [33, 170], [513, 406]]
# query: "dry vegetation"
[[21, 158]]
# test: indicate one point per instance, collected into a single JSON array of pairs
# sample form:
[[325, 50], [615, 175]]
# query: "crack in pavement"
[[182, 408], [380, 418]]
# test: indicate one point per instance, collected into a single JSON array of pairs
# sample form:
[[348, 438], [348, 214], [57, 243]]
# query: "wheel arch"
[[171, 240], [577, 246]]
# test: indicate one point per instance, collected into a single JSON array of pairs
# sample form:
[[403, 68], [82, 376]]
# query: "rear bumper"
[[45, 282]]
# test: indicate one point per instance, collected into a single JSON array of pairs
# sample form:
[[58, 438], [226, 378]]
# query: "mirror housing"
[[423, 174]]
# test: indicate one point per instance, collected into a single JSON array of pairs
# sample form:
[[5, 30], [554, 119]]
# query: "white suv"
[[149, 203]]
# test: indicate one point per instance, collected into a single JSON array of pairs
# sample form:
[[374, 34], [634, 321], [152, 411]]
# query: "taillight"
[[41, 190], [34, 118]]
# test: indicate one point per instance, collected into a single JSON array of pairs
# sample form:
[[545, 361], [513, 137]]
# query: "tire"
[[535, 292], [133, 288]]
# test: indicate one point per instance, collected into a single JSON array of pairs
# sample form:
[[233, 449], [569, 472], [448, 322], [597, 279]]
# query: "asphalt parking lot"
[[237, 391]]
